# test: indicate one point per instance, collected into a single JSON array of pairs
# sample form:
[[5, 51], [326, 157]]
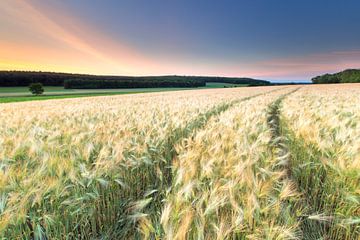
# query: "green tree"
[[36, 88]]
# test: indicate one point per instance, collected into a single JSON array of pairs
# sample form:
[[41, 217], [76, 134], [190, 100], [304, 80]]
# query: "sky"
[[272, 40]]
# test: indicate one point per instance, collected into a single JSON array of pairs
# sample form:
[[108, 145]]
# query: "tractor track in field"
[[278, 143], [277, 139]]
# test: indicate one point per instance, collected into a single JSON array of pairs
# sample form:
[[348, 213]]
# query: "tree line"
[[132, 83], [68, 80], [233, 80], [346, 76]]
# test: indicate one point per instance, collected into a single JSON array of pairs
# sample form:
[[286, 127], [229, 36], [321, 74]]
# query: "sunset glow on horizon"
[[184, 38]]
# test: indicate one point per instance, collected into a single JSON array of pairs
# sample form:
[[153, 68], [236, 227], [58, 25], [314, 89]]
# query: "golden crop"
[[325, 120], [58, 156], [227, 182], [241, 163]]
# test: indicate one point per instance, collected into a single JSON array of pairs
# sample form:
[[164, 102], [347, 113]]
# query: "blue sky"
[[278, 39]]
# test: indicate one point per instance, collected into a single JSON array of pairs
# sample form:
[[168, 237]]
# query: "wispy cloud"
[[72, 37]]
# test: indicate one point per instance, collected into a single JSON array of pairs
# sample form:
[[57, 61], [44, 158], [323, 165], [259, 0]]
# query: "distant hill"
[[23, 78], [346, 76]]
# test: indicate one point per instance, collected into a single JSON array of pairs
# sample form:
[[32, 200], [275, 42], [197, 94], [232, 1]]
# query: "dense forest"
[[133, 83], [234, 80], [347, 76], [22, 78]]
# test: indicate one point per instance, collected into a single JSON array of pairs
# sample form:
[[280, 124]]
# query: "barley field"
[[279, 162]]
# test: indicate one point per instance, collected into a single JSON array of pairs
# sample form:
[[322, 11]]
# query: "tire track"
[[279, 144]]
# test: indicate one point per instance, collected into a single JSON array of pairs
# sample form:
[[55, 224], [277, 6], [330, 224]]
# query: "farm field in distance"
[[20, 94], [276, 162]]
